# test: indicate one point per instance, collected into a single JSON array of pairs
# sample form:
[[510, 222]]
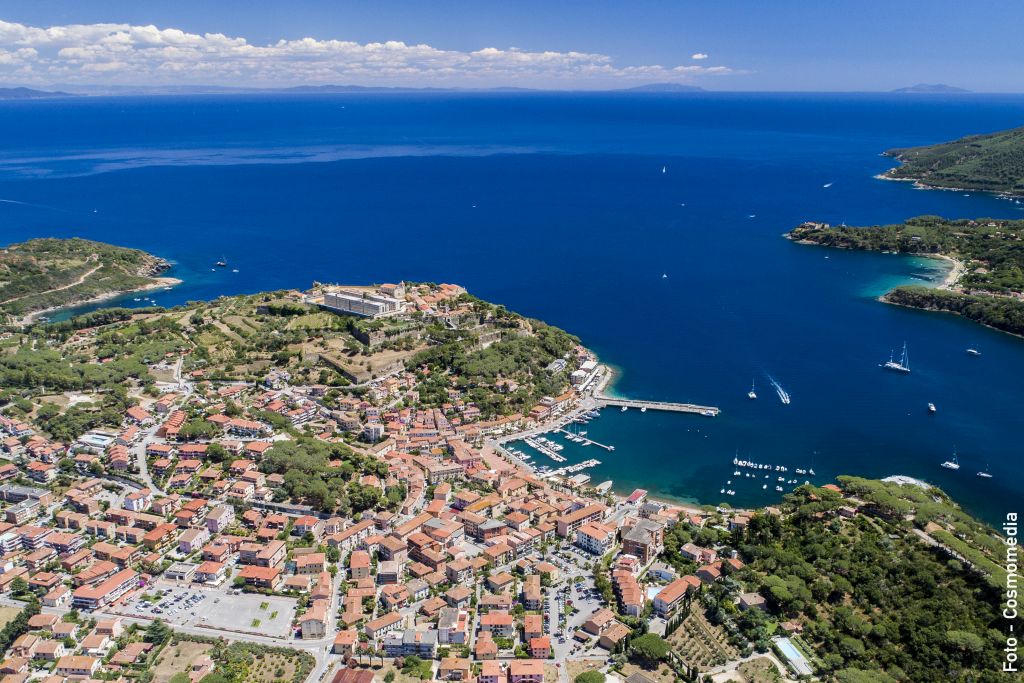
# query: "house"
[[540, 648], [359, 565], [612, 636], [671, 596], [310, 563], [526, 671], [499, 624], [598, 621], [491, 671], [110, 590], [454, 669], [314, 621], [752, 601], [261, 577], [595, 538], [345, 643], [77, 666], [384, 624], [210, 572]]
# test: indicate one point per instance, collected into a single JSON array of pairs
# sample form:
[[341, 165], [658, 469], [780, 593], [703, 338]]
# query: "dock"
[[707, 411], [586, 441]]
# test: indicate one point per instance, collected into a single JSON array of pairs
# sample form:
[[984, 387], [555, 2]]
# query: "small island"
[[46, 274], [986, 283], [993, 162]]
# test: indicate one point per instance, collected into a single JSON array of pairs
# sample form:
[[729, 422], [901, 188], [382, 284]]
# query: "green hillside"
[[46, 273], [993, 162]]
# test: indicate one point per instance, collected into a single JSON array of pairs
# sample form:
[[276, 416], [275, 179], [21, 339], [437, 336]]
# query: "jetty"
[[668, 406], [585, 441]]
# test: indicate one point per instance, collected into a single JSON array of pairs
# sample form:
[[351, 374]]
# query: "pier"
[[586, 441], [707, 411]]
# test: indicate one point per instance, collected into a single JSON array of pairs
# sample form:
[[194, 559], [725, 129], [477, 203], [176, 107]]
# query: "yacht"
[[222, 263], [973, 352], [778, 488], [902, 365], [931, 407], [952, 464], [985, 474], [751, 394], [643, 409], [624, 409]]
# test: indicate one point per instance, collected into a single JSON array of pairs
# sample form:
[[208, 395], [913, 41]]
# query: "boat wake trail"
[[783, 394]]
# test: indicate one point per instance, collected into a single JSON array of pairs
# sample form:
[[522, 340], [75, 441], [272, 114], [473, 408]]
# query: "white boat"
[[664, 276], [973, 352], [931, 407], [751, 394], [624, 409], [952, 464], [722, 491], [827, 185], [643, 409], [902, 365], [985, 474], [664, 169], [778, 488], [764, 486], [810, 472]]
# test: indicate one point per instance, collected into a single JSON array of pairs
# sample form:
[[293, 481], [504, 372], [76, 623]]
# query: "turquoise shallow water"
[[556, 205]]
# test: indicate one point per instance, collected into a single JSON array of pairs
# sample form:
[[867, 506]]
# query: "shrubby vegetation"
[[877, 603], [992, 250], [993, 162], [309, 477], [520, 358], [42, 273]]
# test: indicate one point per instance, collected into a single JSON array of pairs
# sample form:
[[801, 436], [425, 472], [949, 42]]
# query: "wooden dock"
[[708, 411]]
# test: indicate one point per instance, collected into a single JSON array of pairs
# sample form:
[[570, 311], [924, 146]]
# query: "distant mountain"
[[993, 162], [29, 94], [664, 87], [931, 88]]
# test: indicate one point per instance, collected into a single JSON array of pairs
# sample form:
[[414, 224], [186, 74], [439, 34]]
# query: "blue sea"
[[571, 208]]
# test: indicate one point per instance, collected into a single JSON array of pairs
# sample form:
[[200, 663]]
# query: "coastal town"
[[316, 486]]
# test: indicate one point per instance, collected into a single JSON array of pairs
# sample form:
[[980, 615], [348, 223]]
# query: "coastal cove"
[[567, 196]]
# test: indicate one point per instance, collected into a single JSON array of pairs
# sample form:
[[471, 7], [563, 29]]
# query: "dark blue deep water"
[[556, 205]]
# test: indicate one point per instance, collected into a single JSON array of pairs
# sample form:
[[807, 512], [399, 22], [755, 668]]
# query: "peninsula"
[[986, 284], [306, 481], [993, 162], [48, 273]]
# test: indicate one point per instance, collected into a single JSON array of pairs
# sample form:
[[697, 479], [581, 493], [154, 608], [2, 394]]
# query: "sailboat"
[[751, 394], [931, 407], [664, 169], [985, 474], [222, 263], [952, 464], [902, 365]]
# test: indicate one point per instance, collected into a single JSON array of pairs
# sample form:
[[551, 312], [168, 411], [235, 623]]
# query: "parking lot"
[[185, 605]]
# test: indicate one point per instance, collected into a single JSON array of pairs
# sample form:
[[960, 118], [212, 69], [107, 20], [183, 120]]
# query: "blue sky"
[[776, 45]]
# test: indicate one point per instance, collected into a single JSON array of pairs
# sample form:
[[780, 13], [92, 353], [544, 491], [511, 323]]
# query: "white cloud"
[[126, 54], [699, 55]]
